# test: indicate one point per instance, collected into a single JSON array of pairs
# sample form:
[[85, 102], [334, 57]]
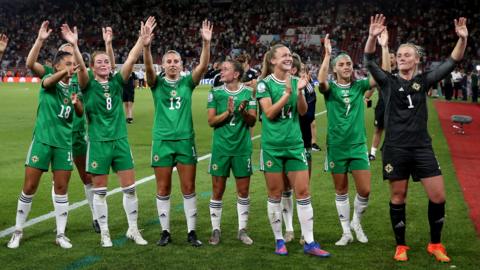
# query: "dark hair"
[[237, 67], [297, 63], [59, 56]]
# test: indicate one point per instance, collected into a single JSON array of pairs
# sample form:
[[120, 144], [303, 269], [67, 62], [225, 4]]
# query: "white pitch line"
[[76, 205]]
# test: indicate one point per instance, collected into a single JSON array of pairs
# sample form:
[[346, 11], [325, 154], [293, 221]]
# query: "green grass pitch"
[[18, 104]]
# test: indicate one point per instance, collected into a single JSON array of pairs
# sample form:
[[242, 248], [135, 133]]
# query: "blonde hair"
[[95, 54], [419, 52], [267, 67], [171, 52]]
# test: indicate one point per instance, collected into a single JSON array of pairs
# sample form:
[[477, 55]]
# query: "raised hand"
[[231, 105], [107, 33], [242, 106], [69, 35], [327, 45], [146, 33], [376, 25], [44, 32], [74, 98], [3, 43], [288, 84], [383, 38], [206, 30], [461, 27], [302, 83], [151, 22]]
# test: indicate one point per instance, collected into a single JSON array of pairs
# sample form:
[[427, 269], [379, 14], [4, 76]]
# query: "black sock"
[[436, 217], [397, 216]]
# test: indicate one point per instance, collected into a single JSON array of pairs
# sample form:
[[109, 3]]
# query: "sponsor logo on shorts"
[[416, 86], [214, 167], [94, 164], [331, 164], [269, 163], [156, 158], [389, 168], [35, 159]]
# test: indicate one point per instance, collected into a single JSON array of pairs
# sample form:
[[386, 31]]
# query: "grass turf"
[[18, 103]]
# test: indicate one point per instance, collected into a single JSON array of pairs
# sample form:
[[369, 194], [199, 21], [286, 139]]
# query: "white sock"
[[287, 211], [130, 205], [215, 214], [373, 150], [274, 210], [343, 208], [163, 209], [52, 193], [243, 209], [61, 212], [100, 207], [359, 206], [305, 216], [89, 196], [23, 208], [190, 208]]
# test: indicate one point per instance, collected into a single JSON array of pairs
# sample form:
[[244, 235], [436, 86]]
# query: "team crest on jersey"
[[261, 87], [156, 158], [331, 164], [65, 101], [35, 159], [173, 93], [416, 86], [94, 164], [389, 168], [214, 167], [107, 95], [269, 163], [346, 100]]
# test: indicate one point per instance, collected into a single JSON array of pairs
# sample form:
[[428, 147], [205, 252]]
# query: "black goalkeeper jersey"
[[406, 112]]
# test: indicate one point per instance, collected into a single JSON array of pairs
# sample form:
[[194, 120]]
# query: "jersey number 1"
[[410, 104]]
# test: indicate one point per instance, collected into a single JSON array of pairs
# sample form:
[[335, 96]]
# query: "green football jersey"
[[55, 112], [78, 122], [173, 108], [346, 113], [231, 138], [104, 109], [283, 132]]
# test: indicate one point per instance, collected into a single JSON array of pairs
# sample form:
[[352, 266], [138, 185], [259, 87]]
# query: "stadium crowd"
[[239, 26]]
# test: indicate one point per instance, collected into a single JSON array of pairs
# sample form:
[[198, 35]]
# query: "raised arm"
[[323, 71], [376, 28], [201, 68], [32, 57], [77, 104], [72, 38], [146, 33], [3, 44], [51, 81], [108, 37], [383, 42], [457, 54], [148, 60]]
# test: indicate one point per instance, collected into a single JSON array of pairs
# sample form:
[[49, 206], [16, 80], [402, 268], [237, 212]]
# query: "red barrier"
[[21, 79]]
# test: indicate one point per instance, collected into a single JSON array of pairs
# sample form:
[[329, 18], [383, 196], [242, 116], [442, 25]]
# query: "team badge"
[[65, 101], [346, 100], [173, 93], [416, 86], [107, 95], [389, 168], [261, 87], [269, 163], [156, 158], [214, 167], [94, 164], [35, 159], [331, 164]]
